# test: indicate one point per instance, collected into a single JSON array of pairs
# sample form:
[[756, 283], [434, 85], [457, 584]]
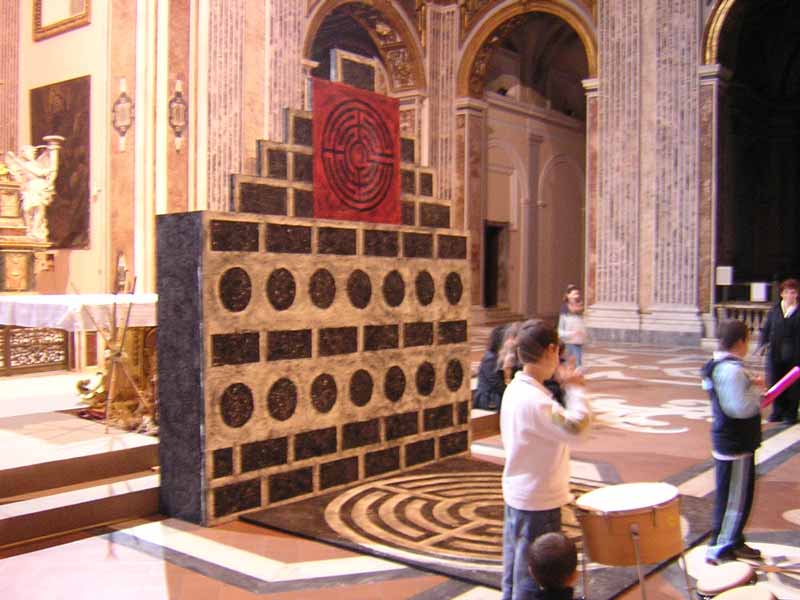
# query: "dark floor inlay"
[[286, 345], [222, 460]]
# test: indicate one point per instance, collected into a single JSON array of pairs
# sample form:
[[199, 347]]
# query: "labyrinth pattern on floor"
[[445, 518]]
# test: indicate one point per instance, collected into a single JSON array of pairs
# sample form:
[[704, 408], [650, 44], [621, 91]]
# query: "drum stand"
[[634, 529]]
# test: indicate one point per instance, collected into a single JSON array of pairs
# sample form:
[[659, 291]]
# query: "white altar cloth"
[[71, 312]]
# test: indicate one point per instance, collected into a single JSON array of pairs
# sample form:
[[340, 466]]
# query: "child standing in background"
[[571, 328]]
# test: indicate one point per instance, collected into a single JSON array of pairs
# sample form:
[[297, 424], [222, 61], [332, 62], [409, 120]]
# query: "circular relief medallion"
[[425, 288], [236, 405], [322, 288], [359, 289], [281, 289], [235, 289], [361, 387], [323, 393], [394, 288], [394, 385], [426, 379], [453, 288], [282, 399], [358, 155], [454, 375]]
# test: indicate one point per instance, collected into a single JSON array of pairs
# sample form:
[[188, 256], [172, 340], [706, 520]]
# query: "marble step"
[[47, 451], [58, 511]]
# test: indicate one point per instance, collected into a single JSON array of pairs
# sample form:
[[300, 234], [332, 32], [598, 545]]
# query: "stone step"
[[52, 450], [63, 510]]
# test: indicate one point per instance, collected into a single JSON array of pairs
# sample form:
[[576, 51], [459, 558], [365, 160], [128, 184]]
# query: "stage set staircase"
[[60, 473]]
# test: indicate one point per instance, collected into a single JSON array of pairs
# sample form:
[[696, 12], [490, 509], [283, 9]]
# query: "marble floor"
[[652, 425]]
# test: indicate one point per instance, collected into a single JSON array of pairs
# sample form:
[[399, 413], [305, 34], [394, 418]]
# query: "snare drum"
[[747, 592], [726, 576], [608, 515]]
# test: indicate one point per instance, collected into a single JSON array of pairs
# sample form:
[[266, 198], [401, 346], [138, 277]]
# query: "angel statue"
[[36, 172]]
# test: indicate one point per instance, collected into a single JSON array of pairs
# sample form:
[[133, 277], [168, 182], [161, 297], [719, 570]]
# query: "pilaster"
[[614, 226], [9, 75], [468, 205]]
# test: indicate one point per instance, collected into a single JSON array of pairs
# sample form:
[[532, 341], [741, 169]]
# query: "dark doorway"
[[759, 215], [491, 265]]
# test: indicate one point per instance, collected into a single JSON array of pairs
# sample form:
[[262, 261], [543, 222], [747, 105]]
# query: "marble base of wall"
[[613, 322], [672, 324], [664, 324]]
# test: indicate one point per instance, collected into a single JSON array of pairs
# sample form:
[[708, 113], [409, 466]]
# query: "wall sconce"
[[122, 113], [177, 114]]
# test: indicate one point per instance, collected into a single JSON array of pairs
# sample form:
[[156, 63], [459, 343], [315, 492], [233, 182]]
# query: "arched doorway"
[[527, 71], [758, 214], [371, 47]]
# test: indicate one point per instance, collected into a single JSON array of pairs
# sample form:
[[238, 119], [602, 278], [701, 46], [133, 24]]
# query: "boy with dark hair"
[[735, 435], [553, 563]]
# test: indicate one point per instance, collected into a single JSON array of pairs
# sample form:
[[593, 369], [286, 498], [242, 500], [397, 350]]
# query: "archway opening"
[[342, 32], [536, 122], [759, 185]]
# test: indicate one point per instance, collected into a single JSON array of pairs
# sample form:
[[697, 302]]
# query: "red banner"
[[356, 154]]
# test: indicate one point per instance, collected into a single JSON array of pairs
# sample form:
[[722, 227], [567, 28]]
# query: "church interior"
[[252, 253]]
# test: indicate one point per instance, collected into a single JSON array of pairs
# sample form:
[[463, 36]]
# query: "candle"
[[780, 387]]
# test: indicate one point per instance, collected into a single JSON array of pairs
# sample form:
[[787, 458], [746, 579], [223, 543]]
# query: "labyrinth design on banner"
[[356, 154]]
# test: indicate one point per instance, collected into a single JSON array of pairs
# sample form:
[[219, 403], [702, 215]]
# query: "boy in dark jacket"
[[553, 563], [735, 435]]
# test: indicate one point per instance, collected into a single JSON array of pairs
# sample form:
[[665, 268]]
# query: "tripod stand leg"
[[635, 538], [682, 564]]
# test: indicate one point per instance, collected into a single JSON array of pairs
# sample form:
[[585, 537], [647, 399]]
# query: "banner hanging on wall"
[[356, 154]]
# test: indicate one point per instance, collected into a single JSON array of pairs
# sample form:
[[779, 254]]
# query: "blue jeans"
[[575, 350], [520, 528]]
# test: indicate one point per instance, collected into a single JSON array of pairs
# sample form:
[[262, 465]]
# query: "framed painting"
[[63, 109], [52, 17]]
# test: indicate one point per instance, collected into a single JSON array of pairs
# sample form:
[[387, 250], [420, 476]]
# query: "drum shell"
[[724, 577], [748, 592], [607, 535]]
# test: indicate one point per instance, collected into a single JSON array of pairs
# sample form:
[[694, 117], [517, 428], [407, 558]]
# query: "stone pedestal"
[[18, 252]]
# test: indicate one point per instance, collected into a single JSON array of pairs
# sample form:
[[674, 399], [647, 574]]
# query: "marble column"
[[590, 86], [226, 34], [670, 246], [713, 87], [442, 38], [9, 75], [468, 205], [286, 80], [613, 313]]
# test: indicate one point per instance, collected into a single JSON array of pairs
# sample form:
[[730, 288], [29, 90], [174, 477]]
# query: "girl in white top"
[[536, 431]]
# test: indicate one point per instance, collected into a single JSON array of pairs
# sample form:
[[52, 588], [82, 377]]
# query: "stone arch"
[[391, 31], [476, 52], [713, 31]]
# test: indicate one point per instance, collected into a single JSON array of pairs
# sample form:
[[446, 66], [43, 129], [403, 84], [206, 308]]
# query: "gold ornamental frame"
[[43, 30]]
